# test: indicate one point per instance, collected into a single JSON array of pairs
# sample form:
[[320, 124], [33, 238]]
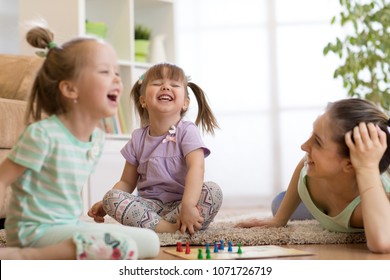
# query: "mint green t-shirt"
[[49, 191], [339, 223]]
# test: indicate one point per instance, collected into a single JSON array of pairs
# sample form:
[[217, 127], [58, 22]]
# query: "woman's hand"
[[367, 144], [97, 212]]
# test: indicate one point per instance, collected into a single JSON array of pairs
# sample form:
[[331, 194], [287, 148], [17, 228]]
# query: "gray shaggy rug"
[[295, 232]]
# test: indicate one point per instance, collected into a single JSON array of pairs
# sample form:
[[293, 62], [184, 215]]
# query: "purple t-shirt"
[[160, 163]]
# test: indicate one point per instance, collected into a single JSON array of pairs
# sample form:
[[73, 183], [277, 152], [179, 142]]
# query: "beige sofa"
[[17, 74]]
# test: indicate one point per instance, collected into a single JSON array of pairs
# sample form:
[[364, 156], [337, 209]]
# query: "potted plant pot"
[[141, 43], [96, 28], [141, 50]]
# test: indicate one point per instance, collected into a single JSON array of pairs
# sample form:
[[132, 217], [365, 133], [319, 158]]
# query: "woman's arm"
[[289, 203], [366, 151], [190, 218]]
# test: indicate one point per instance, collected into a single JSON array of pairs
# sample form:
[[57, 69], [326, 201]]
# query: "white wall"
[[261, 64], [9, 27]]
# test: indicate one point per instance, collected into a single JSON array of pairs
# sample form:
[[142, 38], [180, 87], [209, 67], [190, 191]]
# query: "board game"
[[233, 252]]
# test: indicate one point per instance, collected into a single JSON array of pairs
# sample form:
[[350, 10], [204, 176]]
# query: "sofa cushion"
[[17, 74], [12, 121], [5, 193]]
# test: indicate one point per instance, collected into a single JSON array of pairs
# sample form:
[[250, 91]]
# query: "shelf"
[[118, 137], [120, 17]]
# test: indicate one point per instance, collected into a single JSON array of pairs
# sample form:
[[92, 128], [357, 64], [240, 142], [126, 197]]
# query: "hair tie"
[[141, 79], [52, 45]]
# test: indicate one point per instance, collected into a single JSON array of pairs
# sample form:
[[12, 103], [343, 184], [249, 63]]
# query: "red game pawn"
[[188, 250], [179, 248]]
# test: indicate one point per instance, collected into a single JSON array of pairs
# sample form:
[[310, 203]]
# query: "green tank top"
[[339, 223]]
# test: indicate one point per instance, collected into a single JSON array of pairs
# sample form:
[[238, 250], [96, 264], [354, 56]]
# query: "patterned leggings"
[[132, 210]]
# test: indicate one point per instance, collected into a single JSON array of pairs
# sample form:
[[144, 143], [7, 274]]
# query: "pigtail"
[[135, 95], [205, 115], [38, 103]]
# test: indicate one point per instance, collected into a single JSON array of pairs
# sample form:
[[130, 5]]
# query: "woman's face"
[[322, 152]]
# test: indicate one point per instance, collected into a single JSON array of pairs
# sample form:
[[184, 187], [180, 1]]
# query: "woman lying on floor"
[[343, 180]]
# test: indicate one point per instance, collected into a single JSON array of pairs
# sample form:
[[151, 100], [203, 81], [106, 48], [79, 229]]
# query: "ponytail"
[[205, 115], [135, 95]]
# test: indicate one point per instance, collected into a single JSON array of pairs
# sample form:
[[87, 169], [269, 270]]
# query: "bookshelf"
[[67, 19]]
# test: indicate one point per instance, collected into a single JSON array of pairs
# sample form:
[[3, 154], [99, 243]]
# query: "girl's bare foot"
[[167, 227], [11, 253]]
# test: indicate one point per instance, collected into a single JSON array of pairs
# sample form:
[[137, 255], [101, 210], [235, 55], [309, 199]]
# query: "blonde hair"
[[61, 63], [205, 116]]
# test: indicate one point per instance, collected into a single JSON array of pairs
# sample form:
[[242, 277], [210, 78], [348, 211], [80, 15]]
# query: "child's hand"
[[97, 212], [190, 219], [367, 144], [258, 223]]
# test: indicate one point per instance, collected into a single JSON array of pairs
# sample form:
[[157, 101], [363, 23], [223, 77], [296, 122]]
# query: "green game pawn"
[[200, 255], [239, 251], [208, 255]]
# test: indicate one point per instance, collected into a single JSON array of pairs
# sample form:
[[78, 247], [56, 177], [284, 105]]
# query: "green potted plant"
[[142, 41], [365, 50], [96, 28]]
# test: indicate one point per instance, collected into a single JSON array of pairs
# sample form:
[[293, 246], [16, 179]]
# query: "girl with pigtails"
[[164, 159], [77, 85]]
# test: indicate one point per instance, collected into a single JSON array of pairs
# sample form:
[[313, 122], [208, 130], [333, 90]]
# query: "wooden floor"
[[320, 252]]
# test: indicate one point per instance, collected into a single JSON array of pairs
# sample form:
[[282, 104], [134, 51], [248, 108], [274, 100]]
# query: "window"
[[261, 64]]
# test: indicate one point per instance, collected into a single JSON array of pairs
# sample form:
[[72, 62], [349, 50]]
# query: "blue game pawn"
[[207, 248], [230, 246], [215, 247]]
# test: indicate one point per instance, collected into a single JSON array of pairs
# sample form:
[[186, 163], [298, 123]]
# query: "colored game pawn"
[[207, 247], [215, 247], [179, 247], [239, 251], [222, 245], [208, 255], [230, 246], [200, 255], [188, 250]]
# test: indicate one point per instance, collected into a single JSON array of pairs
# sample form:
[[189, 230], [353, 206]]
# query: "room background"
[[261, 64]]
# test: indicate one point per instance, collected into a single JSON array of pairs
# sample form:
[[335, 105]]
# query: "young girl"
[[77, 85], [340, 180], [164, 160]]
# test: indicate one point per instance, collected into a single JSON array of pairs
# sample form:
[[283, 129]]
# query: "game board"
[[247, 252]]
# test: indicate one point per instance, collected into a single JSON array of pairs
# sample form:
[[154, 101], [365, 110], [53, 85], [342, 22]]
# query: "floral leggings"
[[133, 210], [101, 241]]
